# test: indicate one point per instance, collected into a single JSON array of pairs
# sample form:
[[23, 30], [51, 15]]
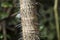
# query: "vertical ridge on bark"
[[28, 18]]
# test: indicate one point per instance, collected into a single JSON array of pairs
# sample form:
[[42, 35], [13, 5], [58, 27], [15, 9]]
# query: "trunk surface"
[[29, 19]]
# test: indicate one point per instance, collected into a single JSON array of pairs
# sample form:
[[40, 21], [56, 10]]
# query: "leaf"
[[1, 36], [6, 4], [3, 15], [41, 28], [44, 33], [51, 36]]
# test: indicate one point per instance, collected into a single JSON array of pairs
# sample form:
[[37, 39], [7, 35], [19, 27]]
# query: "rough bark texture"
[[28, 19]]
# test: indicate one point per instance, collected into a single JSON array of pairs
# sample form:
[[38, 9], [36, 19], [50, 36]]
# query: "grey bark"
[[28, 19]]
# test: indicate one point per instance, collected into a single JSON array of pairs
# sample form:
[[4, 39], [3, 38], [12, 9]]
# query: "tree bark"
[[29, 19]]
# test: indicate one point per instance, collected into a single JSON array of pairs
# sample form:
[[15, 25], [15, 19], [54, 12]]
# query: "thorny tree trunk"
[[28, 19]]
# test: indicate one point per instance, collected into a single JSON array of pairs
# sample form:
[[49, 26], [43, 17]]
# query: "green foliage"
[[6, 10], [6, 4], [47, 23], [13, 21], [46, 18], [3, 15], [1, 36]]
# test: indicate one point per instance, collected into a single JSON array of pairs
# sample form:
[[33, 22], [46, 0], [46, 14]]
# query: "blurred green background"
[[9, 9]]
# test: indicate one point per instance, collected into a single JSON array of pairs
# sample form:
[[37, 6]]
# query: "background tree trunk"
[[29, 19]]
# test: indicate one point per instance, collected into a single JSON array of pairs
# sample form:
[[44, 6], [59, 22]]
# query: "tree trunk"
[[29, 19]]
